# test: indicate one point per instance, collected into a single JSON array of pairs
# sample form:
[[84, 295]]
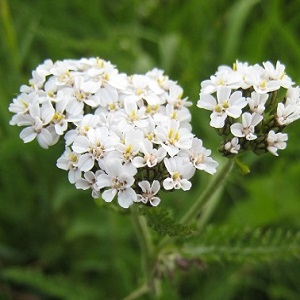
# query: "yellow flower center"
[[176, 176], [133, 116], [173, 136], [218, 108], [225, 104], [263, 84], [73, 158], [57, 117], [128, 152], [151, 109]]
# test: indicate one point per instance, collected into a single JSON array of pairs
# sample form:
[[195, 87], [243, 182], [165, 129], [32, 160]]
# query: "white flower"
[[93, 147], [38, 119], [119, 180], [109, 98], [77, 96], [22, 103], [39, 75], [60, 119], [182, 115], [224, 77], [286, 114], [69, 162], [180, 171], [149, 131], [173, 138], [82, 127], [130, 145], [233, 146], [143, 90], [104, 75], [259, 79], [135, 115], [278, 74], [226, 104], [62, 70], [293, 96], [257, 102], [149, 192], [89, 181], [175, 97], [247, 127], [276, 141], [161, 80], [151, 156], [200, 157]]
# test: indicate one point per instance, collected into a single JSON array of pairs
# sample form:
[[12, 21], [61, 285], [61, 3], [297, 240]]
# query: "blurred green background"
[[55, 242]]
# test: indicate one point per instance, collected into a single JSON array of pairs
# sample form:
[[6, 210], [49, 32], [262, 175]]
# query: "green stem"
[[138, 292], [207, 194], [210, 190], [146, 245], [9, 32]]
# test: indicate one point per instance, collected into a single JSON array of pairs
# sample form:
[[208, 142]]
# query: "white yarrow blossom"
[[233, 146], [173, 138], [89, 181], [287, 114], [126, 137], [69, 162], [200, 157], [268, 102], [150, 156], [93, 147], [257, 102], [118, 180], [180, 171], [149, 192], [278, 74], [223, 77], [37, 122], [247, 127], [226, 104], [276, 141]]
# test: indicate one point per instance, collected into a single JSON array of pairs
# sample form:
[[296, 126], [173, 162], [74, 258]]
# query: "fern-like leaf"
[[224, 244], [160, 220]]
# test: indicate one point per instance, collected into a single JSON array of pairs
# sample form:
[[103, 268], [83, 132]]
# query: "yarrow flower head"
[[126, 136], [251, 105]]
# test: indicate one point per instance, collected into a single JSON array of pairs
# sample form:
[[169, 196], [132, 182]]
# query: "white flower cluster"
[[251, 105], [125, 136]]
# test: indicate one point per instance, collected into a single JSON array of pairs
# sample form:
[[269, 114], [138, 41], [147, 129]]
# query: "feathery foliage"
[[161, 221], [238, 245]]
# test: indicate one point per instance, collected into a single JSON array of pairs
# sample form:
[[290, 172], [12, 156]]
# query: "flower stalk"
[[215, 184], [147, 249]]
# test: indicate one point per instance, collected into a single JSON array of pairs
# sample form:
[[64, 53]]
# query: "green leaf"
[[237, 20], [255, 245], [168, 47], [54, 286], [242, 166], [160, 220]]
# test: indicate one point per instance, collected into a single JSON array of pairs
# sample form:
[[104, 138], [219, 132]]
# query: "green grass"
[[53, 235]]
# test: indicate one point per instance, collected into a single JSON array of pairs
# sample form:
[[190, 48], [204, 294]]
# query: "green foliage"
[[50, 286], [240, 245], [56, 243], [160, 220]]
